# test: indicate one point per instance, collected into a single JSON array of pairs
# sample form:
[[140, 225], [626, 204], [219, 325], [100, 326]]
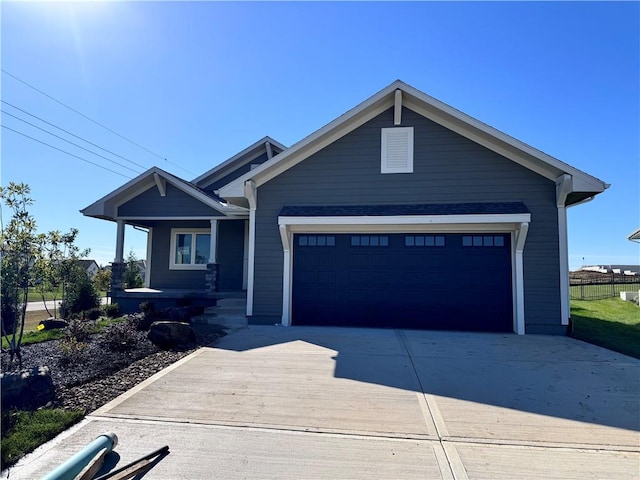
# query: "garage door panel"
[[443, 281]]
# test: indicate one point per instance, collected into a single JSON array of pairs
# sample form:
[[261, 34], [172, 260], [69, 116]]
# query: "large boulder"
[[167, 334], [27, 390]]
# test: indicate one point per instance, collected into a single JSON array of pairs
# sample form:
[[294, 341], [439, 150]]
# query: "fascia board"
[[635, 235], [139, 184], [108, 205], [251, 152], [459, 122], [339, 127], [512, 148]]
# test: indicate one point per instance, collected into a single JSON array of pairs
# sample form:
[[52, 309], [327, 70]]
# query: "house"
[[615, 269], [402, 212], [89, 266]]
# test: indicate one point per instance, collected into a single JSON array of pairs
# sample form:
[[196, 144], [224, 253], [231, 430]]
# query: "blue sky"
[[197, 82]]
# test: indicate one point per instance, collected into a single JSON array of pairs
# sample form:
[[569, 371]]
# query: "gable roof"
[[107, 206], [242, 158], [433, 109], [86, 263], [635, 236]]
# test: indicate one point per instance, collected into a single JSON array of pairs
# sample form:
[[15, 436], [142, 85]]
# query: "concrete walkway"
[[275, 402]]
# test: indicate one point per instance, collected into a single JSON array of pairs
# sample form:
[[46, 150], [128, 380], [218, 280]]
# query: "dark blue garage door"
[[430, 281]]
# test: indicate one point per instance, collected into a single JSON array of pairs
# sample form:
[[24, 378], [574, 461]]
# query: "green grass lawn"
[[24, 431], [603, 290], [32, 335], [611, 323], [34, 295]]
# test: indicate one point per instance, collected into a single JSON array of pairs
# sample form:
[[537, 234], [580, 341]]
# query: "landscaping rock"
[[51, 323], [27, 390], [169, 334]]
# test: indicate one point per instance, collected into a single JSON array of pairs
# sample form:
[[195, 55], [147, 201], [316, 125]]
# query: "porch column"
[[213, 254], [120, 242], [118, 266], [211, 277]]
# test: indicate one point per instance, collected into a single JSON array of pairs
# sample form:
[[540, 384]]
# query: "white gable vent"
[[397, 150]]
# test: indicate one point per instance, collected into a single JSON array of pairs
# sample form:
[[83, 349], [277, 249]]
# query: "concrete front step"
[[224, 311], [229, 312], [222, 320], [232, 302]]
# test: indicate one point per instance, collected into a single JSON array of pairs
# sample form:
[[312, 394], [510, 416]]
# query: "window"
[[423, 241], [316, 240], [397, 150], [482, 241], [190, 249], [369, 241]]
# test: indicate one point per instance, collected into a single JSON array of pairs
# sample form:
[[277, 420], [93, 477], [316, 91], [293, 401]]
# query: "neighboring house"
[[141, 265], [90, 266], [617, 269], [402, 212]]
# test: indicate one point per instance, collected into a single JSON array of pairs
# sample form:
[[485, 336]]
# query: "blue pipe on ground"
[[74, 465]]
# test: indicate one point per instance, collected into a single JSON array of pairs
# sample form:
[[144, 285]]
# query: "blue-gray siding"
[[237, 173], [230, 254], [448, 168], [175, 203], [231, 240]]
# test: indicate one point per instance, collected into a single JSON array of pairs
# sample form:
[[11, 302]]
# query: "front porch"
[[129, 299]]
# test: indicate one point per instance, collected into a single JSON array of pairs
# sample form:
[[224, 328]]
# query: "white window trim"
[[172, 248], [384, 168]]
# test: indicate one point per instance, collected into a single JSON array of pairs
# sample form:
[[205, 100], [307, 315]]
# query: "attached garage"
[[403, 280], [430, 266]]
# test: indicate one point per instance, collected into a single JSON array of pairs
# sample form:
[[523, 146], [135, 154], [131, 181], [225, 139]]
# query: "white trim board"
[[407, 219], [431, 108], [516, 224], [108, 205], [203, 218]]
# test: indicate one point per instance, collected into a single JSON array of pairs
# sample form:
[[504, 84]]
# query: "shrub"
[[81, 295], [92, 314], [111, 311], [72, 350], [140, 321], [120, 337], [78, 330], [147, 307]]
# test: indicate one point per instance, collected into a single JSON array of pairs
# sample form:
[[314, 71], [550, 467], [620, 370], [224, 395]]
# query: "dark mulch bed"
[[96, 375]]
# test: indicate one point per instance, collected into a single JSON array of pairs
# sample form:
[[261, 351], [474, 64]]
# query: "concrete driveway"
[[303, 402]]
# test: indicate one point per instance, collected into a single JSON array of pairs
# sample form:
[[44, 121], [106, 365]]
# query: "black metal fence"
[[604, 286]]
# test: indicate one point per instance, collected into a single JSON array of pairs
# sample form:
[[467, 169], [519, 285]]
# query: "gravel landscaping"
[[96, 374]]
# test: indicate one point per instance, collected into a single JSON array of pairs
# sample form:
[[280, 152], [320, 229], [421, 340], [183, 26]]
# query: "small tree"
[[131, 277], [55, 263], [18, 252], [80, 294], [102, 280]]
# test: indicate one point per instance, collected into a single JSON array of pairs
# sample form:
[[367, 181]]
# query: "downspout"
[[250, 192], [564, 186]]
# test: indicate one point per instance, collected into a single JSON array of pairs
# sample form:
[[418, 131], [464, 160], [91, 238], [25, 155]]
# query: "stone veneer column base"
[[211, 278], [117, 276]]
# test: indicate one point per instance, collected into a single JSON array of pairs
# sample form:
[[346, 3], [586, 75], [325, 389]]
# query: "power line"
[[94, 121], [68, 153], [74, 135], [69, 141]]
